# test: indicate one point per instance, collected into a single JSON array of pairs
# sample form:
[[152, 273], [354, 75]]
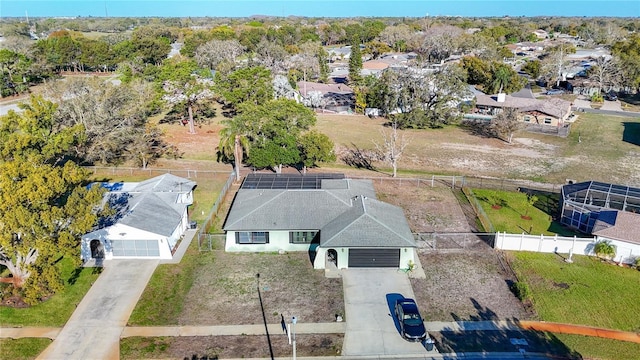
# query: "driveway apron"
[[93, 331], [372, 329]]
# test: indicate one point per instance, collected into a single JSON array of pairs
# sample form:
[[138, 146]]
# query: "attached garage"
[[363, 258], [372, 234]]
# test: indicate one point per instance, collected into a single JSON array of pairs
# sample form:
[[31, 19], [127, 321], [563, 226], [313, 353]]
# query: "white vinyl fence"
[[626, 253]]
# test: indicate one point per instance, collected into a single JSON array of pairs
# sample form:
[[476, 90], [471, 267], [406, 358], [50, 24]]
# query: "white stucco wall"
[[278, 240], [406, 255], [123, 232]]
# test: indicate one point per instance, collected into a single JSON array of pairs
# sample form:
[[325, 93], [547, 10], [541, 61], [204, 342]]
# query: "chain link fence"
[[209, 242], [454, 241], [149, 172], [430, 181]]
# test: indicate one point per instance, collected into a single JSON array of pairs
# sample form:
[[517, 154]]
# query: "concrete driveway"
[[372, 329], [611, 105], [93, 331]]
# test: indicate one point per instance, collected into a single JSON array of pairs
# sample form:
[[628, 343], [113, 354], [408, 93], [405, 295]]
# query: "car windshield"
[[412, 319]]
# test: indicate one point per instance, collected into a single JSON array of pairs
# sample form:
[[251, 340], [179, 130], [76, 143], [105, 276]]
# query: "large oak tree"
[[44, 203]]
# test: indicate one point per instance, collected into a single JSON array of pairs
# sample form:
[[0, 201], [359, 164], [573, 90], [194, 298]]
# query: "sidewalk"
[[336, 328]]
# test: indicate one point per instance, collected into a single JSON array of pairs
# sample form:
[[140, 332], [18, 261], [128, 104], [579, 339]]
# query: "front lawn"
[[22, 349], [163, 299], [587, 292], [510, 212], [56, 310]]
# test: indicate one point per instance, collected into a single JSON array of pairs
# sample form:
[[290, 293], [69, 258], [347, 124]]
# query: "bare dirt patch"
[[225, 347], [225, 291], [427, 209], [466, 286]]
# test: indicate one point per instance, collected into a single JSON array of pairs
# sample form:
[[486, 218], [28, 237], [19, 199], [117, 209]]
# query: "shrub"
[[597, 97], [605, 249], [521, 290]]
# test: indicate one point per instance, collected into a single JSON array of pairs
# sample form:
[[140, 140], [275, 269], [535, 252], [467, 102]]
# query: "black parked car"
[[411, 324], [611, 96]]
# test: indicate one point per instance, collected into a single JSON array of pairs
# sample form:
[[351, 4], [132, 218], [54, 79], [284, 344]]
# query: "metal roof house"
[[149, 218], [338, 221]]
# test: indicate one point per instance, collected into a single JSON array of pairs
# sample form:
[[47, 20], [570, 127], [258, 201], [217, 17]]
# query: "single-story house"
[[331, 97], [540, 34], [149, 218], [550, 111], [337, 220]]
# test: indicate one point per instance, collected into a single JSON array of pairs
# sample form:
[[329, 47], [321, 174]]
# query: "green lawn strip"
[[598, 348], [586, 292], [162, 300], [513, 205], [144, 347], [22, 349], [56, 310]]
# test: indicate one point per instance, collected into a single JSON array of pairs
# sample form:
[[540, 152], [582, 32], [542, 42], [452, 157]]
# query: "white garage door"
[[140, 248]]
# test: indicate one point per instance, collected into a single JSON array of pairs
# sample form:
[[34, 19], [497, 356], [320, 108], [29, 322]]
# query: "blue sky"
[[318, 8]]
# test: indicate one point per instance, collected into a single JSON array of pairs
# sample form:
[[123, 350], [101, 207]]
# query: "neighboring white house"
[[150, 217], [338, 221]]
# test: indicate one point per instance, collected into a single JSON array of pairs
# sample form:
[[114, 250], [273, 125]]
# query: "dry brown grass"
[[469, 285], [225, 291]]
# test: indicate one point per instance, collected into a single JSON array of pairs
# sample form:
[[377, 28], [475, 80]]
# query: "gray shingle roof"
[[294, 209], [626, 227], [149, 212], [368, 223], [345, 211], [152, 205], [165, 183]]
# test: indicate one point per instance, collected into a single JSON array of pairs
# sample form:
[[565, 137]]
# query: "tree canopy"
[[272, 135], [45, 205]]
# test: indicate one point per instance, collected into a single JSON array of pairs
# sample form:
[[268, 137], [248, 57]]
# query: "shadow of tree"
[[74, 276], [478, 128], [359, 158], [506, 337], [631, 133]]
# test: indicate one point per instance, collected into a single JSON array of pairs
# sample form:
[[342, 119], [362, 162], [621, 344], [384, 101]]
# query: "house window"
[[252, 237], [302, 237], [527, 118], [547, 120]]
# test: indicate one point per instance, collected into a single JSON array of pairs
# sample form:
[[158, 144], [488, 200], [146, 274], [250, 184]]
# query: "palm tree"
[[501, 77], [234, 143]]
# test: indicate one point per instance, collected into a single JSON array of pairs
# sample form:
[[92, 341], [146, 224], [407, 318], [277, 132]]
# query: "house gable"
[[368, 223]]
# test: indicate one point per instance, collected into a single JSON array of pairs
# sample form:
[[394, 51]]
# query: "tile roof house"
[[338, 221], [149, 219]]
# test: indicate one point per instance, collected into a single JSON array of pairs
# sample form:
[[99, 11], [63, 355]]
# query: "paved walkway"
[[94, 329]]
